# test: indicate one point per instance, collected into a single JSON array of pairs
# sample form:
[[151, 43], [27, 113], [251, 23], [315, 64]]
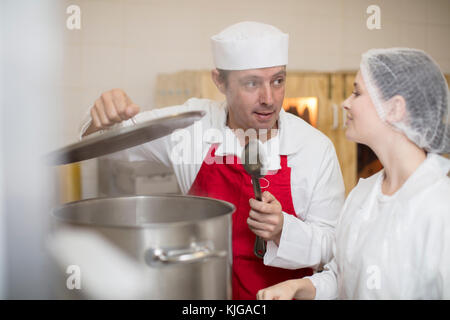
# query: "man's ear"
[[218, 81], [397, 109]]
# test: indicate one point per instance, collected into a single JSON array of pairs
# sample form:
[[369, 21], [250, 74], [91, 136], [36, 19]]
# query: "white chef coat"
[[393, 247], [316, 181]]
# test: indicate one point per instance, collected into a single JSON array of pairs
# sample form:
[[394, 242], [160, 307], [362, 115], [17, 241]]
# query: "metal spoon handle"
[[259, 248], [256, 188]]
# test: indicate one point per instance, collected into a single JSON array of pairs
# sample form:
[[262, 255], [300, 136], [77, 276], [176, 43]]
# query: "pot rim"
[[231, 206]]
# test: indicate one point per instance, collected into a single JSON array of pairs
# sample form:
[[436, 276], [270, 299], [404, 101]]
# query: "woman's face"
[[363, 123]]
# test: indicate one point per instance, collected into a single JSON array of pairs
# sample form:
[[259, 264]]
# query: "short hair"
[[223, 75]]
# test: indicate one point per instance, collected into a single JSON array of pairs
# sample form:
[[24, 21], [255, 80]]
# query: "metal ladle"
[[253, 167]]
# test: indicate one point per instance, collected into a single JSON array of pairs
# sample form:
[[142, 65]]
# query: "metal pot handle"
[[188, 255]]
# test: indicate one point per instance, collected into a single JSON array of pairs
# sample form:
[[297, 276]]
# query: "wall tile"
[[102, 65], [438, 41], [72, 65], [438, 12], [413, 35], [413, 11], [102, 22], [389, 9]]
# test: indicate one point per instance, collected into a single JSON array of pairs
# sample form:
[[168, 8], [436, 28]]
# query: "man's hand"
[[266, 217], [112, 107]]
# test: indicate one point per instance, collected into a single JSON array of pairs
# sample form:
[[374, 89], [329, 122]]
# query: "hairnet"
[[412, 74]]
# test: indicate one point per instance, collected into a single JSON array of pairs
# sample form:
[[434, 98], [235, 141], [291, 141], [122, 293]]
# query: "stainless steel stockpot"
[[184, 242]]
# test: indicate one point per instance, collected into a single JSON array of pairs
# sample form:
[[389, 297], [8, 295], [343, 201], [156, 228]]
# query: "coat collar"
[[433, 168], [229, 144]]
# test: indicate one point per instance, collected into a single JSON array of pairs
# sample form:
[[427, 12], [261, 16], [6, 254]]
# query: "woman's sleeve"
[[325, 282]]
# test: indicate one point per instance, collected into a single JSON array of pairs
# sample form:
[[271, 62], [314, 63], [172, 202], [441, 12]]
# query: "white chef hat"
[[250, 45]]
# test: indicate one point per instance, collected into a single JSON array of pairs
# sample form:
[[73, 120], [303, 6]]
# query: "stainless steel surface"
[[194, 254], [184, 242], [122, 138], [252, 164]]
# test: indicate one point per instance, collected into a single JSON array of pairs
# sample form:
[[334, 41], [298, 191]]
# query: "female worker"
[[393, 235]]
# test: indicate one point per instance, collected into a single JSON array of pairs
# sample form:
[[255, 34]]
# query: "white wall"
[[126, 43]]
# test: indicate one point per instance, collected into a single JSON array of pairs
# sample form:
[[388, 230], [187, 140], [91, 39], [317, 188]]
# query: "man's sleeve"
[[310, 243], [154, 151]]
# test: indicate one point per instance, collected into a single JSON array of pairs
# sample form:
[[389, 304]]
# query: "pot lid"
[[122, 138]]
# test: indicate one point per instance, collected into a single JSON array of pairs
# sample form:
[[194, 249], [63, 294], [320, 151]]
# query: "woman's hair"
[[414, 75]]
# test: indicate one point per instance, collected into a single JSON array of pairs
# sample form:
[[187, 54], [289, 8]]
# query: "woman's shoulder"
[[428, 201], [436, 197], [431, 189]]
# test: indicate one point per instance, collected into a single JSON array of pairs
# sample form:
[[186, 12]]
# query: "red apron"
[[225, 178]]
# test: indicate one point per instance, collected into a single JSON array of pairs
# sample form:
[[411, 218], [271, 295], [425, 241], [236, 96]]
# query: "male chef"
[[303, 186]]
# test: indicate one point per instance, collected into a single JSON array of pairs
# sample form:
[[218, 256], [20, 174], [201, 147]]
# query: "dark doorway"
[[368, 163]]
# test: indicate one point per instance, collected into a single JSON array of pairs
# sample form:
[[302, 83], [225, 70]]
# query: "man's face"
[[255, 97]]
